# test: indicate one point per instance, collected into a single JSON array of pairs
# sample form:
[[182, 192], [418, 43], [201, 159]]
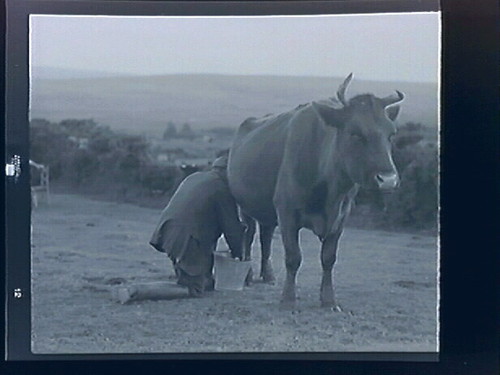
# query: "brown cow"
[[303, 168]]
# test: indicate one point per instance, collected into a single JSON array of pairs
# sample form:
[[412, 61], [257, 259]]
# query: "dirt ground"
[[82, 249]]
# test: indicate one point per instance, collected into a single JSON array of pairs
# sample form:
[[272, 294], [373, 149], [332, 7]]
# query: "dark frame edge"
[[17, 190], [378, 357], [18, 193], [225, 8]]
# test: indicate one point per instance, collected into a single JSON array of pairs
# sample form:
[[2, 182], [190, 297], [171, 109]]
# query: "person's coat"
[[200, 211]]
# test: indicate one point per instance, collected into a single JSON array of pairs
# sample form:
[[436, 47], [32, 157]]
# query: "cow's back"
[[254, 162]]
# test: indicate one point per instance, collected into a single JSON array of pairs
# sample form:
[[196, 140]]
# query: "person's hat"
[[220, 162]]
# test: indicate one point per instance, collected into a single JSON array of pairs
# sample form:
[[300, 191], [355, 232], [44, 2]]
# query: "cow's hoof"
[[267, 274], [268, 278], [331, 306]]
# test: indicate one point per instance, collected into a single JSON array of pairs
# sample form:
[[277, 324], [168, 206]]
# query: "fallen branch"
[[160, 290]]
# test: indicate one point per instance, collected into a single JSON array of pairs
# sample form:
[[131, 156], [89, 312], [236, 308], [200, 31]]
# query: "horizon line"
[[114, 74]]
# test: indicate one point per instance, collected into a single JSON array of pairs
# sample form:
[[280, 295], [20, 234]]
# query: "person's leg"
[[195, 268], [195, 284]]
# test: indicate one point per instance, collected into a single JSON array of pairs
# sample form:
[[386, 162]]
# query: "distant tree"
[[409, 134], [84, 166], [170, 131], [186, 131], [159, 179], [40, 122], [415, 203], [103, 140], [50, 145], [135, 144], [222, 131], [79, 128]]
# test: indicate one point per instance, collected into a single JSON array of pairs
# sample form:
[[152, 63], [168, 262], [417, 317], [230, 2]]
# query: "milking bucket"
[[230, 274]]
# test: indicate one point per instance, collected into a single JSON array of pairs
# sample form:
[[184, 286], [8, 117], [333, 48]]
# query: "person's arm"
[[230, 223]]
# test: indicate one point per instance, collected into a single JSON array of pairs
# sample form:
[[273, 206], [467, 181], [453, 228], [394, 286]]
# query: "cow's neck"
[[338, 208], [329, 202], [332, 171], [329, 189]]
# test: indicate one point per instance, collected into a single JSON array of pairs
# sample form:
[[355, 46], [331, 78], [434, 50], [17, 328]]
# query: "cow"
[[303, 169]]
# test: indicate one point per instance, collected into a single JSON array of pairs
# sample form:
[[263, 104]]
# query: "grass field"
[[386, 283]]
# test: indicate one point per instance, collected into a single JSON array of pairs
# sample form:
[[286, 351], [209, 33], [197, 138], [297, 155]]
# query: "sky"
[[382, 47]]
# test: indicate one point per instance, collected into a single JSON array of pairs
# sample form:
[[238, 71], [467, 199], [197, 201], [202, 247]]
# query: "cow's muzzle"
[[387, 181]]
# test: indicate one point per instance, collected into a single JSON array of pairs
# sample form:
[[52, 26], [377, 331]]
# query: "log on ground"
[[161, 290]]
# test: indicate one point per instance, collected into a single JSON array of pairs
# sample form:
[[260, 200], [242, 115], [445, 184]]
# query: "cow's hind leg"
[[266, 237], [328, 257], [248, 236], [293, 257]]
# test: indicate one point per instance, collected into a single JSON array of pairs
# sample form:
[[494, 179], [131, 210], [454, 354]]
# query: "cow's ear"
[[393, 112], [330, 115]]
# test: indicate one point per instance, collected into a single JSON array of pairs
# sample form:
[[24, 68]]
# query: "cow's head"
[[365, 126]]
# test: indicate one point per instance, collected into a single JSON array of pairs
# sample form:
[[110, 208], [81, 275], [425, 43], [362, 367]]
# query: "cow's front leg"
[[293, 257], [266, 237], [328, 257]]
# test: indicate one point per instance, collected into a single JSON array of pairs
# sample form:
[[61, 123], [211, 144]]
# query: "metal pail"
[[230, 274]]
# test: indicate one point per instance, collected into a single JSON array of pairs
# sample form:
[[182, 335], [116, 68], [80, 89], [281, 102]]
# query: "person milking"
[[200, 211]]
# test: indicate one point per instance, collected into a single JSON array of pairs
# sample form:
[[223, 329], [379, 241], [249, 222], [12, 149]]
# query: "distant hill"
[[49, 72], [145, 104]]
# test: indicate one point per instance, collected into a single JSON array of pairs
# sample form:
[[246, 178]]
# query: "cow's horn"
[[393, 99], [342, 88]]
